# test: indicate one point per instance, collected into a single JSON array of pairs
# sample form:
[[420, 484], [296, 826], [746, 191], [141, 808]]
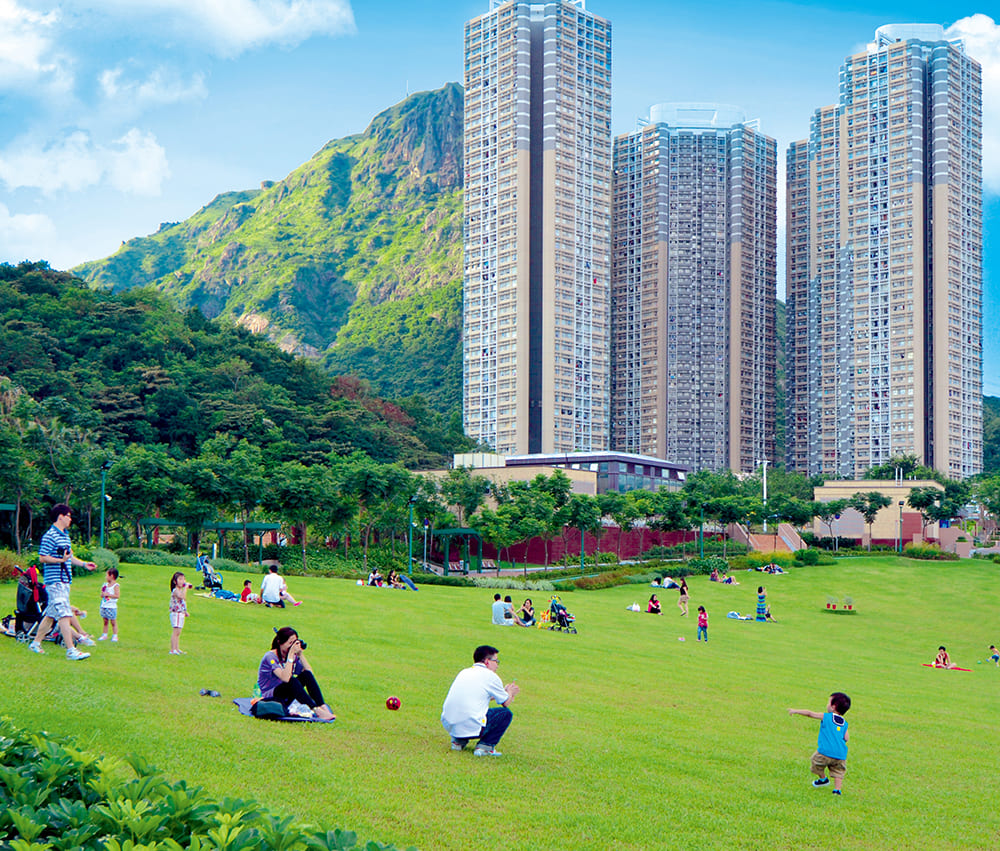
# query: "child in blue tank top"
[[831, 749]]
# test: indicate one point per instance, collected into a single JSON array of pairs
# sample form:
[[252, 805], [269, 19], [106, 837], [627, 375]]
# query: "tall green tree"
[[868, 506], [466, 491]]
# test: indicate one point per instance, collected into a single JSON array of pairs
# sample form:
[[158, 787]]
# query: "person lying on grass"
[[286, 675]]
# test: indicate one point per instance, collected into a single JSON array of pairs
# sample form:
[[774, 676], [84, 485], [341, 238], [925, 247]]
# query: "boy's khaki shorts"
[[820, 764]]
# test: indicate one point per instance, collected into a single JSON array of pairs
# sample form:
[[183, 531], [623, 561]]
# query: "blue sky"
[[117, 115]]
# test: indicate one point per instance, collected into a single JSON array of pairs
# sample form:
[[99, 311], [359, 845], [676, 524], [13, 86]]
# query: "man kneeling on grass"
[[466, 713]]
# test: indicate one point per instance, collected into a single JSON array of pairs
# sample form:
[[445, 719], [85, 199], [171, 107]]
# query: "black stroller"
[[31, 602], [559, 618]]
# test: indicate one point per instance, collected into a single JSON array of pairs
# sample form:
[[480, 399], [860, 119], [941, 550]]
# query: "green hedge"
[[54, 795], [928, 552], [132, 555]]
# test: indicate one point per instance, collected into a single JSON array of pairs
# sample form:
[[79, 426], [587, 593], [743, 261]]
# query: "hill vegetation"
[[117, 369], [354, 257]]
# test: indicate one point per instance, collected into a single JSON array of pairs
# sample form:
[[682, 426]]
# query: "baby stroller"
[[211, 579], [31, 602], [560, 619]]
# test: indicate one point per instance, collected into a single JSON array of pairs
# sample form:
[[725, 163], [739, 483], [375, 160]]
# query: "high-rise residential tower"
[[537, 231], [694, 227], [884, 260]]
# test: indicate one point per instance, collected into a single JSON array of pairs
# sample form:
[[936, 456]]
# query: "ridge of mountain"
[[355, 257]]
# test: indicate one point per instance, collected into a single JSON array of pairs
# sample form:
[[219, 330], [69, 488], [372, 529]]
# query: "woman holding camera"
[[285, 675]]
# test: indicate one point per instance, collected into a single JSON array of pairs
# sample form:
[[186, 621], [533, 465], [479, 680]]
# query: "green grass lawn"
[[623, 737]]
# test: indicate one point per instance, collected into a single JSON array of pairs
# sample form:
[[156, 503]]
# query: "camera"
[[302, 644]]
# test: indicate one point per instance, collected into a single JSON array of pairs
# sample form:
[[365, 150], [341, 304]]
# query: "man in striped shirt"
[[55, 553]]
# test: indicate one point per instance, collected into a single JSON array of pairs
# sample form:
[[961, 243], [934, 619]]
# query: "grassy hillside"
[[623, 737], [366, 232]]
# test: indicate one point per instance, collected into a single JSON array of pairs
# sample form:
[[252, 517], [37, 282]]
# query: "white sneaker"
[[85, 640], [114, 639], [35, 647], [75, 655], [102, 637], [486, 750]]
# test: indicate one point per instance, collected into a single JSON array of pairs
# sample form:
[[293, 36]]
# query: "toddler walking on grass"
[[831, 749], [178, 611], [702, 623], [110, 592]]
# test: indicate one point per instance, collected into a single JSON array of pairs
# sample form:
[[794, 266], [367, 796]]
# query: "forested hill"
[[355, 256], [100, 371]]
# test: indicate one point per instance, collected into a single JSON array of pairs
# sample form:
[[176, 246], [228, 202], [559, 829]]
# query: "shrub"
[[7, 561], [930, 552], [512, 584], [807, 557], [54, 795], [707, 565], [434, 579]]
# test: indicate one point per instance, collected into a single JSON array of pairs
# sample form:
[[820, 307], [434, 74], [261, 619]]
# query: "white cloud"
[[981, 35], [162, 86], [27, 55], [135, 163], [24, 236], [233, 26]]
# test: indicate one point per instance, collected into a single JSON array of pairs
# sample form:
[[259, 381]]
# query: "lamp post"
[[409, 539], [900, 537], [427, 523], [701, 533], [104, 496], [764, 463]]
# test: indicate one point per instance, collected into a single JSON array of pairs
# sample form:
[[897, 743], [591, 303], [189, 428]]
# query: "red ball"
[[392, 703]]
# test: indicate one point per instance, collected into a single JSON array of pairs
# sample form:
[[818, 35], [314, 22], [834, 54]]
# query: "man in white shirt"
[[466, 713], [274, 591], [499, 612]]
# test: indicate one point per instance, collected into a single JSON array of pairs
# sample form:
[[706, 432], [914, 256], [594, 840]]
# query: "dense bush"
[[807, 557], [751, 561], [434, 579], [705, 565], [53, 795], [712, 546], [503, 582], [8, 560], [187, 562], [928, 552]]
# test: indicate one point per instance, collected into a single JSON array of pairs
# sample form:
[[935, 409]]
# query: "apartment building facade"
[[694, 242], [536, 273], [884, 263]]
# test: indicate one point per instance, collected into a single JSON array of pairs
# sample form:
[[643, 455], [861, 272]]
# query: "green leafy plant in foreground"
[[53, 795]]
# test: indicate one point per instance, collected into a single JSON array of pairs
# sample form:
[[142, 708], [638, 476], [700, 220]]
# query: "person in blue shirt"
[[831, 749], [55, 553]]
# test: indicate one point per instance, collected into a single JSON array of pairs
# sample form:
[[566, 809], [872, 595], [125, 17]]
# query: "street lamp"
[[701, 533], [104, 496], [427, 524], [900, 538], [409, 538], [765, 463]]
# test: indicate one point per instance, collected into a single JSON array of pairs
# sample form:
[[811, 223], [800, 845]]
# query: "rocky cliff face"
[[366, 231]]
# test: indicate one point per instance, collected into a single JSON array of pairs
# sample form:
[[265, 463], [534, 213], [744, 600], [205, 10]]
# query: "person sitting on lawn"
[[527, 612], [285, 675], [943, 660], [274, 591], [653, 606]]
